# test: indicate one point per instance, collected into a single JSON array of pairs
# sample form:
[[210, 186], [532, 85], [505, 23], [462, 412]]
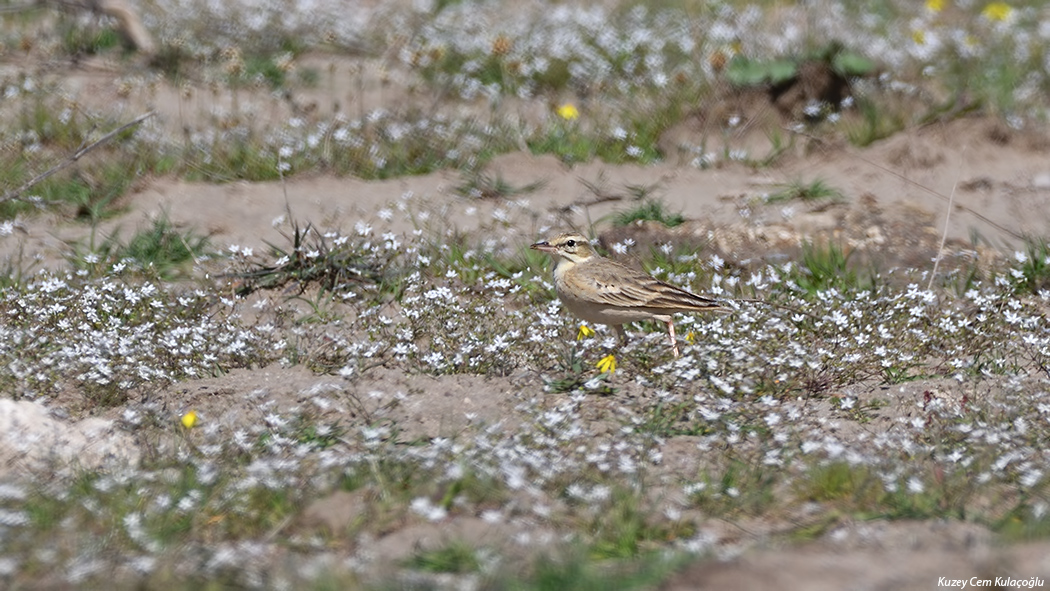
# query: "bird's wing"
[[611, 284]]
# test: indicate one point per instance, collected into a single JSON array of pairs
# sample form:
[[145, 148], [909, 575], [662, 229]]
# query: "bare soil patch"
[[896, 199]]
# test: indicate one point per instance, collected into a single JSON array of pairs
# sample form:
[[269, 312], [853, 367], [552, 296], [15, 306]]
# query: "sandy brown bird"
[[602, 291]]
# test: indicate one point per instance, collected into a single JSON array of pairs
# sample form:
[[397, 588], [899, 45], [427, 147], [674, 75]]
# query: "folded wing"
[[635, 289]]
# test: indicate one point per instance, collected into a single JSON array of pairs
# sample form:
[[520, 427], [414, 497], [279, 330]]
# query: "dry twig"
[[77, 155]]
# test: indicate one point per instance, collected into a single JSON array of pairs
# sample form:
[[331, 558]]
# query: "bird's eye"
[[570, 243]]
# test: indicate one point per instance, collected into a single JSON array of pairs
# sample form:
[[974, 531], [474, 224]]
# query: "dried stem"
[[77, 155]]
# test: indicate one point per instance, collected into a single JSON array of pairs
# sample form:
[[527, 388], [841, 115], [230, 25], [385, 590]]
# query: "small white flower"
[[428, 510], [915, 485]]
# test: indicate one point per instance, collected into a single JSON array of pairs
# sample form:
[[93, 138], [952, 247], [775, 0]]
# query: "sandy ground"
[[897, 194], [746, 553], [897, 190]]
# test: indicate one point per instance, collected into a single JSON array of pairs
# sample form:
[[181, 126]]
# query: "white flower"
[[428, 510], [915, 485]]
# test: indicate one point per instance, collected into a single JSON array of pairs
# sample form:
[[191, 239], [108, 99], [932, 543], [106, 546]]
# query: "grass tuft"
[[828, 266], [477, 185], [455, 557], [1032, 267], [160, 251], [650, 210], [315, 259], [816, 190]]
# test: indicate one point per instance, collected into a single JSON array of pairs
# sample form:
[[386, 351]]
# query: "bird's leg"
[[623, 333], [674, 342]]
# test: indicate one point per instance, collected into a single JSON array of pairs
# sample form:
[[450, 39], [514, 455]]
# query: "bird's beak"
[[543, 247]]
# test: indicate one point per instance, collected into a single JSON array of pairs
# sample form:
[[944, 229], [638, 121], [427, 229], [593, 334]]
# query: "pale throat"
[[563, 263]]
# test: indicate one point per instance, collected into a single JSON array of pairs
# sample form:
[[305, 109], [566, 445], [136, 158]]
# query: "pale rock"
[[33, 441]]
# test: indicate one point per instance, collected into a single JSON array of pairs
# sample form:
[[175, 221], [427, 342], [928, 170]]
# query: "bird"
[[603, 291]]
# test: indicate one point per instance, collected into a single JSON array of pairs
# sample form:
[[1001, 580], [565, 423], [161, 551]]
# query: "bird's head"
[[573, 247]]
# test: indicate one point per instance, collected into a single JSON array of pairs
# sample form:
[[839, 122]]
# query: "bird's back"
[[605, 282]]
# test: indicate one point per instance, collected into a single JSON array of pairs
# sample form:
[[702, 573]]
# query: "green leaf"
[[782, 70], [745, 72], [852, 64]]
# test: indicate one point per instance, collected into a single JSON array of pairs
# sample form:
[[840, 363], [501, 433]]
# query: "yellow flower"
[[584, 332], [607, 364], [569, 112], [189, 419], [690, 338], [997, 11], [935, 5]]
